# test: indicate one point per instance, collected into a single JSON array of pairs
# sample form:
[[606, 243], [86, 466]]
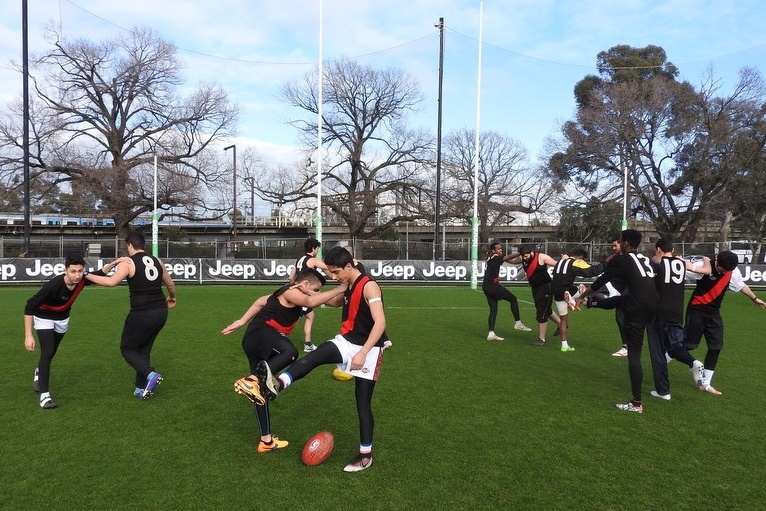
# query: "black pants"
[[495, 293], [138, 336], [49, 341]]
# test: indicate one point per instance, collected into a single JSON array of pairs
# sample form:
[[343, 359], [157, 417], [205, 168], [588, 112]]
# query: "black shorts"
[[543, 299], [700, 325]]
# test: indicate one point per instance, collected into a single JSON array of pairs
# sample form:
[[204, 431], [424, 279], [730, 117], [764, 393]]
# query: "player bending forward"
[[358, 349], [273, 319]]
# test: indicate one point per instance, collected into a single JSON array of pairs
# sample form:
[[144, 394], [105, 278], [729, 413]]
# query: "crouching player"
[[358, 349], [273, 318]]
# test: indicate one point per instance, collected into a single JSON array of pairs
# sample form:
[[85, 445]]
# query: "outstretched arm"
[[750, 294], [124, 267], [247, 316]]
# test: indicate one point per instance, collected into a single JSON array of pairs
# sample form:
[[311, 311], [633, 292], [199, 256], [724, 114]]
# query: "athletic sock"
[[564, 344], [285, 379]]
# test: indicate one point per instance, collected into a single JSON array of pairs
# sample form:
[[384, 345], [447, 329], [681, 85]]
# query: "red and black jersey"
[[537, 274], [708, 293], [54, 299], [357, 318], [276, 315], [146, 283]]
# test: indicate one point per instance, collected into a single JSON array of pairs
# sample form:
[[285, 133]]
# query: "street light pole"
[[234, 215]]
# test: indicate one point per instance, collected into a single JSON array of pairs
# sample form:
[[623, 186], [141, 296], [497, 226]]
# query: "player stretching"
[[666, 332], [48, 311], [273, 318], [703, 314], [148, 309], [494, 291], [636, 270], [358, 349]]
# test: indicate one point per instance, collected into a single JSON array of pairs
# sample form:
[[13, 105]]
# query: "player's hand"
[[171, 301], [232, 328], [29, 343], [759, 303], [357, 362]]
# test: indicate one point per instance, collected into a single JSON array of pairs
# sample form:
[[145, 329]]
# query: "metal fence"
[[270, 248]]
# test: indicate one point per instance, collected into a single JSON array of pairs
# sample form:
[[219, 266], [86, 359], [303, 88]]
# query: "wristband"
[[754, 298]]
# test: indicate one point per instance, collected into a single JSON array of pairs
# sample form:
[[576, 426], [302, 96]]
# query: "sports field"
[[461, 422]]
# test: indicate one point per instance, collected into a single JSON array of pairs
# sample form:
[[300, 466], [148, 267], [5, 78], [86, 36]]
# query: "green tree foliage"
[[596, 221], [679, 147]]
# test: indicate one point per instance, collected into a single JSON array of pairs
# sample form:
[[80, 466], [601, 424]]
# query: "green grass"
[[461, 423]]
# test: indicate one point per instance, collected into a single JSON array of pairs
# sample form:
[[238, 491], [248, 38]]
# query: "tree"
[[676, 145], [104, 110], [371, 157], [596, 221], [505, 183]]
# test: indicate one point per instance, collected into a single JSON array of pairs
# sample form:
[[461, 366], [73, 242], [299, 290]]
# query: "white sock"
[[44, 396], [707, 378], [519, 322], [285, 379], [564, 344], [668, 358], [491, 332]]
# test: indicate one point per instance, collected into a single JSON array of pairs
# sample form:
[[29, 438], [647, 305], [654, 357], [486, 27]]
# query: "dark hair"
[[310, 244], [73, 260], [664, 244], [727, 260], [632, 237], [310, 274], [136, 238], [338, 256], [579, 252], [525, 249], [493, 245]]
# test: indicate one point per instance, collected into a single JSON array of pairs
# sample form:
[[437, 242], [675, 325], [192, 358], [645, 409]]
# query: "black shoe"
[[557, 332], [48, 403], [269, 384]]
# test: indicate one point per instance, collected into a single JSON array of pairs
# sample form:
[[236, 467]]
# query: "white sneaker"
[[522, 327], [308, 347], [493, 337], [387, 344], [697, 370], [666, 397], [630, 407], [622, 352]]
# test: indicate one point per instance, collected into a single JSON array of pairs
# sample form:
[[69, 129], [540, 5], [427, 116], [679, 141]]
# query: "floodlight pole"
[[234, 215], [25, 141], [437, 218]]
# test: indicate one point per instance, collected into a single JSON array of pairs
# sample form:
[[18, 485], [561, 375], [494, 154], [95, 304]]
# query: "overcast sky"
[[534, 51]]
